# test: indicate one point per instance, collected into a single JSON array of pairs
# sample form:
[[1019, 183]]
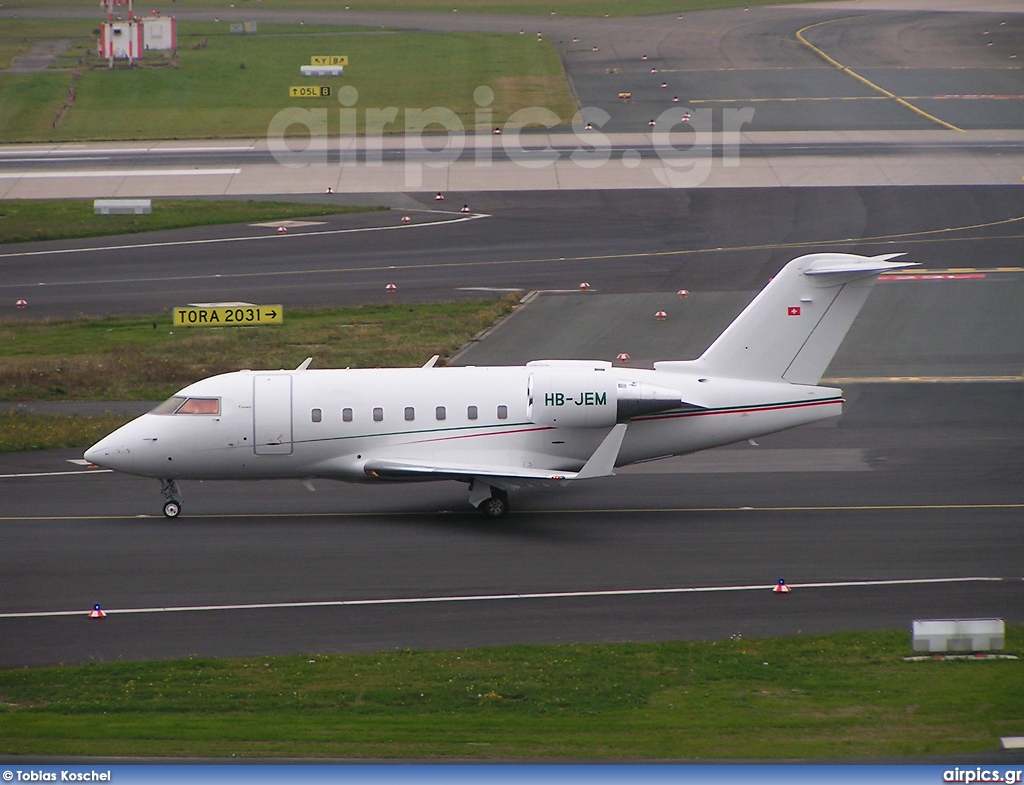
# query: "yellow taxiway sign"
[[227, 315]]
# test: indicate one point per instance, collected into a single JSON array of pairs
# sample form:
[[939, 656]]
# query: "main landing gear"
[[497, 505], [491, 501], [172, 507]]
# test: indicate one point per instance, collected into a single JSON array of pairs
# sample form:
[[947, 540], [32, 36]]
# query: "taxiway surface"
[[906, 508]]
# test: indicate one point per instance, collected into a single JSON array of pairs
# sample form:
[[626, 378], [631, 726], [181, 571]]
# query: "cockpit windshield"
[[179, 404]]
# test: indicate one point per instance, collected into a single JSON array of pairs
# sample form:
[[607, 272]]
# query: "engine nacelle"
[[578, 394]]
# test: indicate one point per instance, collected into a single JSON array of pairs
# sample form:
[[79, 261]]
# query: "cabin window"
[[410, 413], [440, 413], [471, 412], [181, 405], [378, 414], [316, 415], [503, 412], [346, 414]]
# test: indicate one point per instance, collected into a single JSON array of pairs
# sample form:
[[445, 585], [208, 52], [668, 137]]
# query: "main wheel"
[[496, 506], [172, 509]]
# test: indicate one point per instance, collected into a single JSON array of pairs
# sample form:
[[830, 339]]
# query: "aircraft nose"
[[107, 453], [94, 454]]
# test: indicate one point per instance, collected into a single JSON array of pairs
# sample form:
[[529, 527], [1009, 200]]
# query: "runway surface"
[[618, 241], [906, 507]]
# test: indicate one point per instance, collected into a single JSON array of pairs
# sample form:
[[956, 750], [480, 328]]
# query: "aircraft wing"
[[600, 464], [399, 469]]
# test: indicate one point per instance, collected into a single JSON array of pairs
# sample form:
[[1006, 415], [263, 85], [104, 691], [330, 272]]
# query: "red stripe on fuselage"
[[748, 410]]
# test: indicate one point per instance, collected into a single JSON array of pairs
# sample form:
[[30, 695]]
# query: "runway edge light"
[[97, 612], [781, 587]]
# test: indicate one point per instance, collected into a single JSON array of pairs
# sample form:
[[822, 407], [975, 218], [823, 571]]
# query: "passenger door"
[[272, 414]]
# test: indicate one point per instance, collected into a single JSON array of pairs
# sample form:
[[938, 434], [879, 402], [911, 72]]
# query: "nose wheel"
[[172, 507]]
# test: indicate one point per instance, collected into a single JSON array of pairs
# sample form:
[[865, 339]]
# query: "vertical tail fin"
[[792, 329]]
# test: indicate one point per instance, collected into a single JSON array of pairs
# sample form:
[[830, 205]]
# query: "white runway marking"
[[198, 149], [83, 149], [115, 173], [246, 238], [288, 224], [557, 595], [53, 474], [39, 159]]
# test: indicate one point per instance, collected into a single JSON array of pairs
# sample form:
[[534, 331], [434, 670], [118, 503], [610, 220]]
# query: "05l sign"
[[314, 91], [228, 316]]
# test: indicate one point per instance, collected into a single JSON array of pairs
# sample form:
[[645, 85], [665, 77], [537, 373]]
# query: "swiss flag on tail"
[[793, 310]]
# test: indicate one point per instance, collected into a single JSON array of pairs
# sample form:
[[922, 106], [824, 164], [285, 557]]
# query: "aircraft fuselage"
[[331, 423]]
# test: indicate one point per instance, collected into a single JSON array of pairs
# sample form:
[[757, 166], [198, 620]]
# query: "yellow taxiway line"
[[943, 235], [868, 82]]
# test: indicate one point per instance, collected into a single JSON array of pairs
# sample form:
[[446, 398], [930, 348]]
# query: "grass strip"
[[33, 220], [218, 85], [612, 8], [827, 696], [131, 358], [21, 431]]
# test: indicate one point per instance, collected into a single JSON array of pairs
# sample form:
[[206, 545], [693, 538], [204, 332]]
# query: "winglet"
[[602, 462], [431, 362], [304, 364]]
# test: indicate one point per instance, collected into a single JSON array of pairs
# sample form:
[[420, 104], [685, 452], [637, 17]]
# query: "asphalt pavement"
[[918, 520], [713, 240]]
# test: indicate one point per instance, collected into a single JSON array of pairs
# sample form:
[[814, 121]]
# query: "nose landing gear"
[[172, 507]]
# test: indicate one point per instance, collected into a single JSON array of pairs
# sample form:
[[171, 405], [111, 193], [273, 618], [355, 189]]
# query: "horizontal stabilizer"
[[847, 263]]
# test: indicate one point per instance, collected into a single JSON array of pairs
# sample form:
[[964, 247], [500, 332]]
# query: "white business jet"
[[499, 428]]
